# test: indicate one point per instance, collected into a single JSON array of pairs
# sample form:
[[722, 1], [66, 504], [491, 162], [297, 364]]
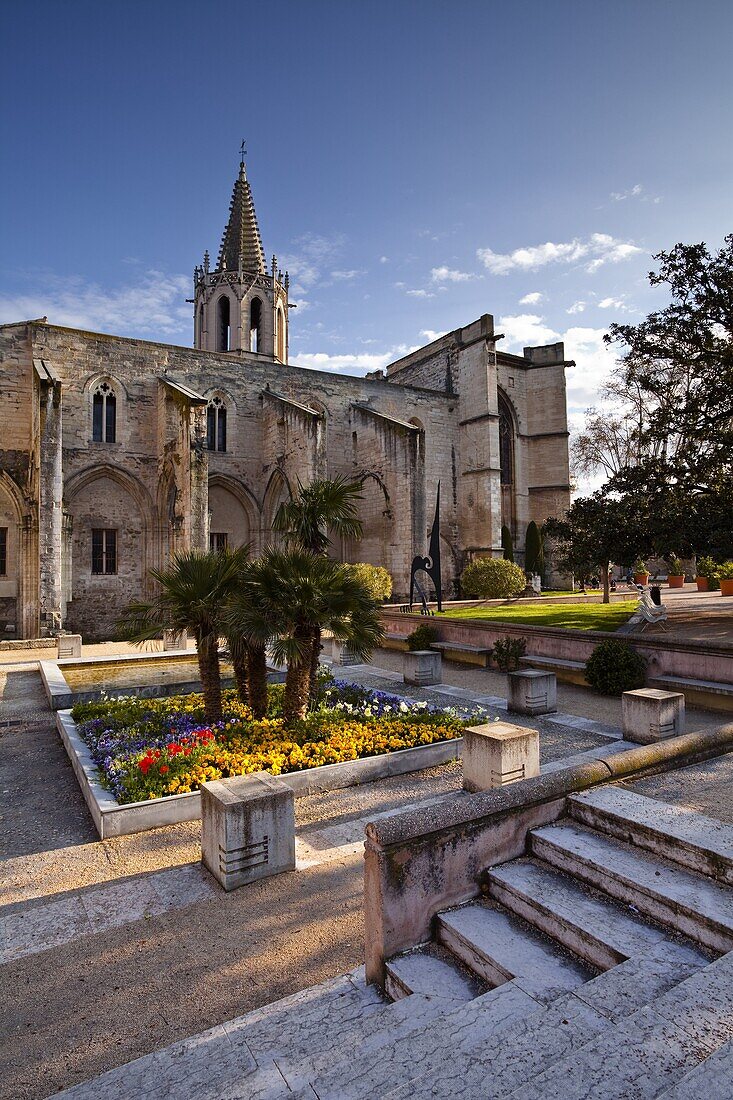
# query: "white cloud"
[[152, 306], [420, 293], [576, 307], [347, 275], [611, 303], [525, 329], [358, 364], [430, 334], [596, 250], [594, 362], [312, 255], [384, 259], [450, 275], [532, 299], [635, 192]]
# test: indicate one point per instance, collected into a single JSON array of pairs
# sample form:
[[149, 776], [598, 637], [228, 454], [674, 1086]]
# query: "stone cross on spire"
[[242, 235]]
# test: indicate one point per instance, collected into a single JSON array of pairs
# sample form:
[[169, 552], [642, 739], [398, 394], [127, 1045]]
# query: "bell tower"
[[239, 307]]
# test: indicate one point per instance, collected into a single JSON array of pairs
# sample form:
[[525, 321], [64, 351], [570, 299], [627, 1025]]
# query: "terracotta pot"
[[641, 578], [702, 584], [675, 580], [726, 588]]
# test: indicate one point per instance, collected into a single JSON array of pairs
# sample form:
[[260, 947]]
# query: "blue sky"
[[413, 164]]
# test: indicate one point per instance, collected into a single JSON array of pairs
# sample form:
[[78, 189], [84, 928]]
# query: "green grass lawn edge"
[[570, 616]]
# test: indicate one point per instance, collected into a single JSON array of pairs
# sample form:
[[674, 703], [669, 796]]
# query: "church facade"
[[115, 453]]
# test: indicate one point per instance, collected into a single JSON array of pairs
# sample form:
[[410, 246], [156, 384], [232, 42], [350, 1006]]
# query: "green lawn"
[[574, 616]]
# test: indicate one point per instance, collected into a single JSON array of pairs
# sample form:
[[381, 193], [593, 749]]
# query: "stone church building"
[[116, 453]]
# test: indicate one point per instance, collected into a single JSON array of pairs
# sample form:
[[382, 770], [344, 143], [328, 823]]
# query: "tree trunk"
[[257, 680], [295, 703], [606, 584], [207, 650], [314, 663], [238, 653]]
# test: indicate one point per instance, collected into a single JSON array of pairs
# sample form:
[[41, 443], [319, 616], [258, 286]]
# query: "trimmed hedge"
[[492, 579], [375, 578]]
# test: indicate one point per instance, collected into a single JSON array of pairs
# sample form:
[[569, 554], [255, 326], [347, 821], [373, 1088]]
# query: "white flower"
[[404, 708]]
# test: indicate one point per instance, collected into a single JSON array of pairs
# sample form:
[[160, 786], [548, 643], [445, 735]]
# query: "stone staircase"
[[600, 965]]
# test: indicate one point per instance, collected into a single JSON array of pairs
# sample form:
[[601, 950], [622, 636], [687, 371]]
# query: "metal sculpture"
[[429, 565]]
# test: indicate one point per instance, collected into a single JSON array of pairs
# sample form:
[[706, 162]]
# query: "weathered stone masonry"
[[491, 427]]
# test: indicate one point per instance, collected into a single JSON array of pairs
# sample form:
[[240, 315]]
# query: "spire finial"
[[242, 153]]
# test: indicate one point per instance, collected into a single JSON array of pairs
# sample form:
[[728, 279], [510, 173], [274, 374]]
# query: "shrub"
[[375, 578], [675, 566], [507, 651], [725, 571], [614, 667], [534, 552], [507, 543], [422, 637], [709, 568], [640, 566], [492, 579]]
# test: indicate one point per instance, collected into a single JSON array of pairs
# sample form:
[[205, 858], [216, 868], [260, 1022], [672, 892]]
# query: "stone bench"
[[394, 641], [702, 693], [532, 691], [69, 645], [570, 672], [651, 714], [464, 654], [497, 754]]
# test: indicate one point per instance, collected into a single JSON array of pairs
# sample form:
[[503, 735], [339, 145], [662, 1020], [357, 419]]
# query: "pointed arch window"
[[255, 322], [216, 425], [506, 442], [104, 414], [224, 328], [201, 326]]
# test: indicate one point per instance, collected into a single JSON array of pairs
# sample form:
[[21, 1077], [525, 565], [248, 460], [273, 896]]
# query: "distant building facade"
[[116, 453]]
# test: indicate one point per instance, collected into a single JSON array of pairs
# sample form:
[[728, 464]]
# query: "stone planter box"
[[111, 818], [422, 666]]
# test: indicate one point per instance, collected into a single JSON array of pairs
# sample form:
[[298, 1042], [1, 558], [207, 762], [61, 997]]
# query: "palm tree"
[[289, 592], [307, 520], [192, 594]]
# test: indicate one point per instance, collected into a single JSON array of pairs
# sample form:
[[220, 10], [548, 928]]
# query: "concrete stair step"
[[700, 843], [529, 1045], [589, 925], [711, 1079], [652, 1050], [691, 903], [433, 973], [499, 947], [373, 1071]]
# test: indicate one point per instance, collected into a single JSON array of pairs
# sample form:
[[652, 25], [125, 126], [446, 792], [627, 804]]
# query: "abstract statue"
[[429, 565]]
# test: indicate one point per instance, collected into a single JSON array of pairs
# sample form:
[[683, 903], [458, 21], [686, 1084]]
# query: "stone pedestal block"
[[247, 828], [422, 666], [342, 655], [650, 714], [497, 754], [69, 645], [174, 639], [532, 692]]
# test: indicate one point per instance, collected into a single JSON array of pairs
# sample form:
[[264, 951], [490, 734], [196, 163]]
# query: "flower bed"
[[153, 748]]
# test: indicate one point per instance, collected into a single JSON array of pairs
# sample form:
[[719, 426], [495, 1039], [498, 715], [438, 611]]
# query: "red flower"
[[174, 749], [164, 768]]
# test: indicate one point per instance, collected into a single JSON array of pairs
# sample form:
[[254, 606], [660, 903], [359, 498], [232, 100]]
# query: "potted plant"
[[641, 572], [725, 574], [675, 573], [707, 574]]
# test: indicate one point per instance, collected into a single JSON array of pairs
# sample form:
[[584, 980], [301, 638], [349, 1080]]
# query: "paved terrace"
[[113, 949]]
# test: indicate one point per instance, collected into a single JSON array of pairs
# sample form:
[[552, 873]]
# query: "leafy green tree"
[[192, 593], [318, 511], [285, 594], [596, 531]]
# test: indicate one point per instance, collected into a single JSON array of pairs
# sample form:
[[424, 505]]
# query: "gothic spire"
[[241, 240]]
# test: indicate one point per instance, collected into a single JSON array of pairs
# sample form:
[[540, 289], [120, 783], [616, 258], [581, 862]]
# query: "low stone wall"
[[112, 818], [665, 656], [27, 643], [423, 861]]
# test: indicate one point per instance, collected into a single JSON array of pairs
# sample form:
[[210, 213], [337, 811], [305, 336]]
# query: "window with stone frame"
[[255, 322], [224, 327], [218, 541], [104, 550], [3, 551], [104, 414], [216, 425]]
